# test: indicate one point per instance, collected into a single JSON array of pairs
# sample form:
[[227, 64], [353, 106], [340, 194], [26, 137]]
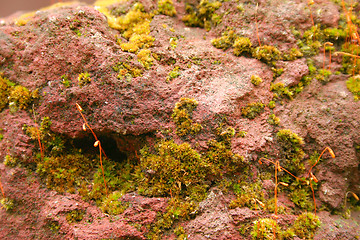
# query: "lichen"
[[252, 110], [182, 115]]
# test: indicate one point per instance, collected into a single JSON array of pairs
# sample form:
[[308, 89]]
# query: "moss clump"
[[225, 41], [292, 152], [126, 71], [293, 54], [323, 75], [84, 79], [5, 87], [7, 203], [273, 120], [301, 197], [256, 80], [306, 225], [203, 16], [242, 45], [10, 161], [65, 81], [265, 229], [145, 58], [281, 90], [166, 7], [173, 170], [248, 195], [266, 53], [353, 84], [173, 74], [112, 205], [75, 216], [252, 110], [272, 104], [182, 117], [351, 65]]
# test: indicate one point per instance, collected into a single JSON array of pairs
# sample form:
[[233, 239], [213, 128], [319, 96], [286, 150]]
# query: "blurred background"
[[9, 7]]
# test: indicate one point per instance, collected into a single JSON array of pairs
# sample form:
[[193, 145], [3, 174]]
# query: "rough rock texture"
[[134, 114]]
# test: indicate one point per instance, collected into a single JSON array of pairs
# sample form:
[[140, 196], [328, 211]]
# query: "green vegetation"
[[75, 216], [242, 45], [84, 79], [203, 15], [65, 81], [256, 80], [266, 53], [292, 153], [281, 91], [353, 84], [173, 74], [126, 71], [264, 229], [273, 120], [7, 203], [182, 114], [166, 7], [248, 195], [306, 225], [225, 41], [252, 110], [112, 205]]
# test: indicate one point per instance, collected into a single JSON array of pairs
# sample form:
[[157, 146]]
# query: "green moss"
[[323, 75], [173, 42], [353, 84], [5, 87], [203, 15], [75, 216], [145, 58], [256, 80], [272, 104], [21, 97], [173, 74], [351, 65], [247, 195], [302, 198], [242, 45], [252, 110], [241, 134], [225, 41], [265, 229], [10, 161], [182, 114], [266, 53], [270, 206], [281, 90], [126, 71], [306, 225], [173, 170], [7, 203], [112, 205], [84, 79], [293, 54], [335, 34], [273, 120], [166, 7], [65, 81], [292, 152]]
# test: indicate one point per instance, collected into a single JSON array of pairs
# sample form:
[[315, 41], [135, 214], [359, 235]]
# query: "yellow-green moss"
[[252, 110], [301, 197], [266, 53], [273, 120], [256, 80], [247, 195], [272, 104], [145, 58], [203, 15], [353, 84], [84, 79], [225, 41], [173, 74], [5, 87], [293, 54], [127, 71], [306, 225], [112, 205], [10, 161], [292, 152], [323, 75], [281, 90], [75, 216], [7, 203], [265, 229], [65, 81], [166, 7], [241, 45], [182, 114]]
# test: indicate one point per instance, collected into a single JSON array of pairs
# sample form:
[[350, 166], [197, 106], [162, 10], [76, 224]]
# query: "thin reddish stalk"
[[2, 189], [39, 141], [102, 168]]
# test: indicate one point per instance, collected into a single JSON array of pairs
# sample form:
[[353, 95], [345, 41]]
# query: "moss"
[[302, 198], [10, 161], [266, 53], [306, 225], [145, 58], [273, 120], [292, 152], [256, 80], [353, 84], [293, 54], [277, 72], [270, 206], [252, 110], [241, 134], [21, 97], [5, 87], [173, 74], [242, 45], [173, 170], [84, 79], [126, 71], [173, 42], [248, 195], [203, 16], [182, 114], [112, 205], [265, 229], [351, 65], [225, 41], [75, 216], [65, 81], [166, 7], [272, 104], [281, 90], [323, 75], [7, 203]]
